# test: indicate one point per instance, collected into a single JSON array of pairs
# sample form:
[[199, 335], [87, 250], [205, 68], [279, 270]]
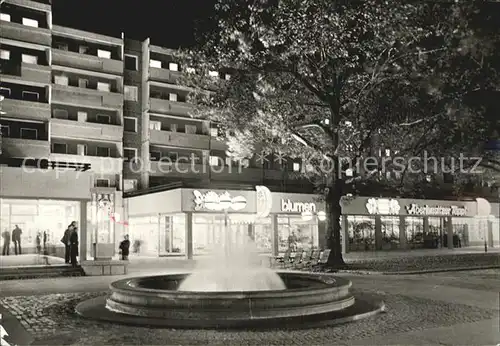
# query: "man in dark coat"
[[73, 244], [65, 241], [6, 243], [16, 239], [125, 248]]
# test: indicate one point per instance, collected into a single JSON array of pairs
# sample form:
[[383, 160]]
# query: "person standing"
[[73, 243], [6, 243], [16, 239], [65, 241], [45, 252], [125, 248], [38, 244]]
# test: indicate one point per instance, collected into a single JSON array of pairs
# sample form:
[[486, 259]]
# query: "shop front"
[[391, 224]]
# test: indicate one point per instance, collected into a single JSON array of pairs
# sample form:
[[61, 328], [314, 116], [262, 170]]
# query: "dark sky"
[[168, 23]]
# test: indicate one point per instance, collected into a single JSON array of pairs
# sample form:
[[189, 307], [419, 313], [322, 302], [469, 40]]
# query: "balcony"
[[86, 62], [26, 110], [178, 139], [236, 174], [102, 165], [24, 33], [163, 75], [178, 170], [35, 5], [74, 96], [37, 74], [62, 128], [25, 148], [169, 107]]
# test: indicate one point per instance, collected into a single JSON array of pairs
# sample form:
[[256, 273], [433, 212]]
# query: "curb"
[[415, 272]]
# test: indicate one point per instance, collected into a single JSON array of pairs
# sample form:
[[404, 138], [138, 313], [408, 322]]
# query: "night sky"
[[168, 23]]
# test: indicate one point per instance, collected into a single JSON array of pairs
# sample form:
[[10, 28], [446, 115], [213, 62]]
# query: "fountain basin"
[[157, 297]]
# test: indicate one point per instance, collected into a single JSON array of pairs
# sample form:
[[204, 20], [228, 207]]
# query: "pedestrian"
[[16, 239], [73, 241], [6, 243], [125, 248], [45, 243], [65, 241], [38, 244]]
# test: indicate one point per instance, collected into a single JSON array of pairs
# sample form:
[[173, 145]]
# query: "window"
[[29, 133], [155, 125], [83, 83], [173, 66], [106, 54], [213, 74], [154, 63], [102, 182], [296, 166], [191, 129], [83, 49], [131, 93], [4, 54], [60, 114], [61, 80], [214, 161], [172, 97], [214, 132], [30, 96], [173, 156], [5, 17], [81, 149], [103, 119], [154, 155], [30, 22], [29, 59], [62, 46], [103, 86], [131, 62], [59, 148], [129, 185], [4, 91], [102, 151], [173, 127], [5, 129], [130, 124], [82, 116], [227, 76], [129, 153]]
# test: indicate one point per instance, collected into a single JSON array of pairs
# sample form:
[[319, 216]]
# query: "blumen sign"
[[289, 206]]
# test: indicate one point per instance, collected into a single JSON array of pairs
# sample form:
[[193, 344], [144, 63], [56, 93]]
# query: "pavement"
[[453, 308]]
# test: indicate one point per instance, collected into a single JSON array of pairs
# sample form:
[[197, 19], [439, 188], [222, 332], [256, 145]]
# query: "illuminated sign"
[[415, 209], [214, 201], [383, 206], [288, 206], [105, 205], [264, 201]]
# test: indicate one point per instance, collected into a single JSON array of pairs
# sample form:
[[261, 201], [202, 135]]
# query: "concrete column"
[[189, 235], [83, 231], [275, 235], [449, 231], [403, 241], [251, 231], [378, 233], [345, 233], [490, 233]]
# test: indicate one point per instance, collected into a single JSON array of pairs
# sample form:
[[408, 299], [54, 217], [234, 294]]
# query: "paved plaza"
[[454, 308]]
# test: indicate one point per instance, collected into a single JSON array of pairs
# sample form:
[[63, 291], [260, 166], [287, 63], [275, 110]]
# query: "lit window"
[[348, 123], [81, 149], [130, 124], [172, 97], [61, 80], [387, 152], [327, 121], [155, 63], [105, 54], [5, 17], [4, 54], [103, 86], [155, 125], [82, 116], [296, 166], [213, 74], [129, 185], [388, 175], [130, 93], [227, 76], [214, 161], [30, 22], [173, 66], [131, 63], [214, 132], [29, 59], [348, 172]]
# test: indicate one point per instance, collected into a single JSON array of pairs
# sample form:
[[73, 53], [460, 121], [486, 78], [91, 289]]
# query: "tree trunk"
[[333, 195]]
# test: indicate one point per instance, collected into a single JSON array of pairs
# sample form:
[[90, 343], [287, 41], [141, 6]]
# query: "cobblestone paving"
[[51, 319]]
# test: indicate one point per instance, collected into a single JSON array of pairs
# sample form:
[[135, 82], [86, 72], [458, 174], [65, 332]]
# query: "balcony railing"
[[74, 96], [37, 74], [62, 128], [25, 148], [26, 110], [169, 107], [163, 75], [24, 33], [86, 62], [178, 139]]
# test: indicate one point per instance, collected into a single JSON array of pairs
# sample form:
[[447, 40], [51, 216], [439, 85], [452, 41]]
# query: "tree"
[[331, 81]]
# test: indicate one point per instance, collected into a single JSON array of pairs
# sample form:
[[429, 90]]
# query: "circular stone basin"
[[155, 301]]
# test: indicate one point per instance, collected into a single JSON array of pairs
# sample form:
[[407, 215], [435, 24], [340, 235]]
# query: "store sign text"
[[288, 206], [382, 206], [214, 201], [415, 209]]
